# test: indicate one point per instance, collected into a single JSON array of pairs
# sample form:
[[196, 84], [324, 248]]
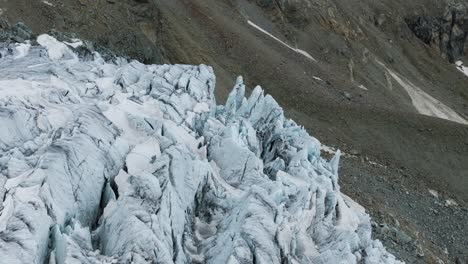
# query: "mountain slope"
[[347, 98]]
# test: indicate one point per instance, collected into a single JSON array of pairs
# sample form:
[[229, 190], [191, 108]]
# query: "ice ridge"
[[114, 161]]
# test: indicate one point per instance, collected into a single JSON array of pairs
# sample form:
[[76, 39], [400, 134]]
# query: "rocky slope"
[[375, 79], [121, 162]]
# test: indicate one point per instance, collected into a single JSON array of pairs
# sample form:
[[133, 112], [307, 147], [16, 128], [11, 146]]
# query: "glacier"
[[114, 161]]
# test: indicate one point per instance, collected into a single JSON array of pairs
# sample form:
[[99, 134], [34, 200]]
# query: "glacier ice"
[[120, 162]]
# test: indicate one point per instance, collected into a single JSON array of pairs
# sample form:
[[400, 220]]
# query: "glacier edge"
[[121, 162]]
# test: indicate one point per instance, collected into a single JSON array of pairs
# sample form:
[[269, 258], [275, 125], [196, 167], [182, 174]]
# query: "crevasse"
[[120, 162]]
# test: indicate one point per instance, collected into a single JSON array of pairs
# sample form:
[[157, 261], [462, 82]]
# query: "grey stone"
[[448, 32]]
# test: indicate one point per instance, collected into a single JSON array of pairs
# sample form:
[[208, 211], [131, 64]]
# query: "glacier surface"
[[120, 162]]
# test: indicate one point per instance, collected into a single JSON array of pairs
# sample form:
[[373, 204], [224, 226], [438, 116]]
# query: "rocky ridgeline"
[[447, 32]]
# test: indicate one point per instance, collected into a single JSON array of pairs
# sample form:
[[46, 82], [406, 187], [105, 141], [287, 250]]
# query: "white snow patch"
[[423, 102], [363, 87], [201, 108], [48, 3], [56, 49], [302, 52], [461, 67], [139, 159], [121, 111], [333, 151], [352, 207], [450, 202], [327, 149], [434, 193], [18, 88], [22, 50], [59, 117], [122, 182], [317, 78]]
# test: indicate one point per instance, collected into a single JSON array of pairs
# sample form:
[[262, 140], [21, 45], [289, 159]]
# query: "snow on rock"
[[462, 67], [121, 162], [424, 103], [299, 51]]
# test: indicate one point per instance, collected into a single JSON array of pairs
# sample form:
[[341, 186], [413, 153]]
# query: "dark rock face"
[[21, 32], [455, 26], [4, 24], [448, 33], [268, 4], [295, 11], [17, 33], [426, 29]]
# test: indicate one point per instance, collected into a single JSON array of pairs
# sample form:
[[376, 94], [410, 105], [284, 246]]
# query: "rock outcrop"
[[295, 11], [448, 32]]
